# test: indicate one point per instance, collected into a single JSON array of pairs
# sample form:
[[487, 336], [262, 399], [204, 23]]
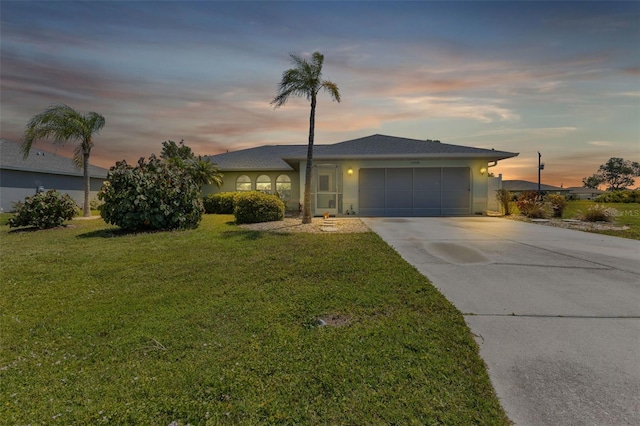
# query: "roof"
[[525, 185], [583, 190], [281, 157], [41, 161]]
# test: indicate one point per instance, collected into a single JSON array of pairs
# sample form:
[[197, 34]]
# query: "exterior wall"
[[350, 187], [17, 185], [230, 177]]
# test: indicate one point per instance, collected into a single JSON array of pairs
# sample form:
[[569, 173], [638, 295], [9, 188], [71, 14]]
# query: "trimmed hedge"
[[44, 210], [255, 207], [220, 203]]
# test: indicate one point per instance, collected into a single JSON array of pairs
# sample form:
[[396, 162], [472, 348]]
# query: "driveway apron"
[[555, 312]]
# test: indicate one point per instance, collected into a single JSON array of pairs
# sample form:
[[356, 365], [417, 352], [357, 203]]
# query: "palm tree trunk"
[[306, 210], [87, 183]]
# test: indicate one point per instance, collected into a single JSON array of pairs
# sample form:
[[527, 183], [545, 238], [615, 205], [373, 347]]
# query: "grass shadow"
[[118, 232]]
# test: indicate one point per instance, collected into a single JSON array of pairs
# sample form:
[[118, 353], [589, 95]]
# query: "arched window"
[[263, 184], [283, 187], [243, 183]]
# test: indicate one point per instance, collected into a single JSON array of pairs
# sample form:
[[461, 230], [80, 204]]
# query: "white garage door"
[[424, 191]]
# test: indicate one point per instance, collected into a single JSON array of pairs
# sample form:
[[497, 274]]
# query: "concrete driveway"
[[556, 312]]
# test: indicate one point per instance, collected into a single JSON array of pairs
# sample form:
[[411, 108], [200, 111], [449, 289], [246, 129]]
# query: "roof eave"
[[51, 172], [498, 155]]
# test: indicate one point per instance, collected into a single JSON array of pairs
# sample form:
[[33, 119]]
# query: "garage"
[[420, 191]]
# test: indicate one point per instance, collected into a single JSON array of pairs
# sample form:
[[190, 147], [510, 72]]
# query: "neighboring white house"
[[580, 193], [376, 175], [41, 170], [516, 187]]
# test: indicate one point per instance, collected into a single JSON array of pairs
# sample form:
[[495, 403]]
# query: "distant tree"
[[305, 79], [201, 169], [593, 181], [64, 124], [617, 173]]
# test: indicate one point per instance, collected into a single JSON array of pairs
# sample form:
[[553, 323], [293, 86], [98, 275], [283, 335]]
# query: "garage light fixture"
[[483, 170], [350, 171]]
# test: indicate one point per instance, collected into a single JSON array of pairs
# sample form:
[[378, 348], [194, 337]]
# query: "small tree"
[[617, 173], [593, 181], [201, 169]]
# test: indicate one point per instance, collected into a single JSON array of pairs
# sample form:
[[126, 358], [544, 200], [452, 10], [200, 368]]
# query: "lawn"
[[220, 326], [628, 214]]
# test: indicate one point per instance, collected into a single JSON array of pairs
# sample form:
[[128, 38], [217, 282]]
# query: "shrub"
[[220, 203], [558, 204], [626, 196], [598, 213], [255, 207], [153, 195], [504, 199], [44, 210], [532, 206]]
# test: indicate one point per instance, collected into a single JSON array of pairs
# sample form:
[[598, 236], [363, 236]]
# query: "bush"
[[532, 206], [597, 213], [220, 203], [153, 195], [626, 196], [255, 207], [558, 204], [44, 210], [504, 199]]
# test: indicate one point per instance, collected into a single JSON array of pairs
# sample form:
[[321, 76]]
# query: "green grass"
[[628, 215], [218, 326]]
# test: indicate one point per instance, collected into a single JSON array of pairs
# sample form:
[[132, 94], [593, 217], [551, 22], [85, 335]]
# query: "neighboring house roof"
[[281, 157], [583, 190], [41, 161], [524, 185]]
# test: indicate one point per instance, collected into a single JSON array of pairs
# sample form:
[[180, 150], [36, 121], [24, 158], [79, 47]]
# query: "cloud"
[[600, 143]]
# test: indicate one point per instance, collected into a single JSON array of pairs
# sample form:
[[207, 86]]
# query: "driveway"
[[556, 312]]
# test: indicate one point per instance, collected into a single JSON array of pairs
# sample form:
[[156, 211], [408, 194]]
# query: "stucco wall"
[[229, 184], [350, 189], [17, 185]]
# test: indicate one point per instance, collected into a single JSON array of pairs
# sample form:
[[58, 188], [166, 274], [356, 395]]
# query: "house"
[[517, 187], [376, 175], [580, 193], [21, 178]]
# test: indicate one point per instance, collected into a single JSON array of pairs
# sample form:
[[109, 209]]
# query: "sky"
[[559, 78]]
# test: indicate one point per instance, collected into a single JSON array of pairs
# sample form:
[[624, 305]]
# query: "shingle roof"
[[280, 157], [525, 185], [41, 161]]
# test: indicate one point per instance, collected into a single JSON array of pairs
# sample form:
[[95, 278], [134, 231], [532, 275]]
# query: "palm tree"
[[305, 79], [205, 172], [64, 124]]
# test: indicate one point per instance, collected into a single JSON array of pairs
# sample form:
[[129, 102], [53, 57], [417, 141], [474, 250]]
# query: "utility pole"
[[540, 168]]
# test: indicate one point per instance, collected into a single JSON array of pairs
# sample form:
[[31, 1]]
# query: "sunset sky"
[[559, 78]]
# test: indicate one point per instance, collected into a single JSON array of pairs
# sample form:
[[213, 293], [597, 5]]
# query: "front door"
[[326, 190]]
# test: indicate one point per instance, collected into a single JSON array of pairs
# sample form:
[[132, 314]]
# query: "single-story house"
[[517, 187], [580, 193], [41, 170], [376, 175]]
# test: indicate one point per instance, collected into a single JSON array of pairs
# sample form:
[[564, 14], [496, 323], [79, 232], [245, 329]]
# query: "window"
[[243, 183], [263, 184], [283, 187]]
